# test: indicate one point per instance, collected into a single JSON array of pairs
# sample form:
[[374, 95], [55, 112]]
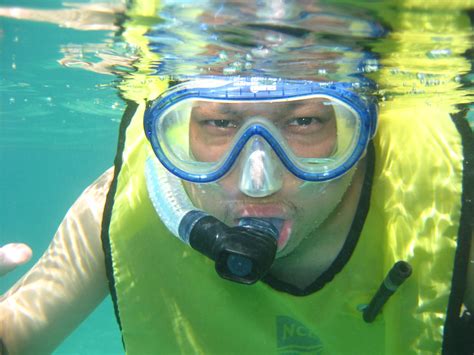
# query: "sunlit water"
[[60, 108]]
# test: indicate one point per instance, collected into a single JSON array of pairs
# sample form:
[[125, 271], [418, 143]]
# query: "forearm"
[[64, 286]]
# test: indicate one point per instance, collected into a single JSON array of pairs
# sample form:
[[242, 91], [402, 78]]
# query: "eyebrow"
[[283, 109]]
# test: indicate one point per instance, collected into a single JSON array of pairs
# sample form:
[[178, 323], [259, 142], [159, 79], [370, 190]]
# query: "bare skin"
[[13, 255]]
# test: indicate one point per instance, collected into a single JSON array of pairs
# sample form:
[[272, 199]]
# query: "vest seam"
[[109, 204]]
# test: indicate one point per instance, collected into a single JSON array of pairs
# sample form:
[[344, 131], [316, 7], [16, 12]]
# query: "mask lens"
[[316, 133]]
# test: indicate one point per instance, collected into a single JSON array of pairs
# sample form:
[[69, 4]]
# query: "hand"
[[13, 255]]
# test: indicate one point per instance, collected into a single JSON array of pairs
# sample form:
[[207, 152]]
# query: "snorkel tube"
[[243, 254]]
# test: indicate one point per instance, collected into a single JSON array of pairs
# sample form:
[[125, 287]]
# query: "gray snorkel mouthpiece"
[[244, 253]]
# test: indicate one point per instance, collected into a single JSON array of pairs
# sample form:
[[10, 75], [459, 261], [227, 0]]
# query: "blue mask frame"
[[265, 89]]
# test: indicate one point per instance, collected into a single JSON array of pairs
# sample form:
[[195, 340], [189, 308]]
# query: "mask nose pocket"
[[260, 169]]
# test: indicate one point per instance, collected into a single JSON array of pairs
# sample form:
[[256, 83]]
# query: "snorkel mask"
[[203, 129]]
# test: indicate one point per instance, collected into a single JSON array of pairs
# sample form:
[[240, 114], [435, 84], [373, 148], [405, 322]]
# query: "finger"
[[13, 255]]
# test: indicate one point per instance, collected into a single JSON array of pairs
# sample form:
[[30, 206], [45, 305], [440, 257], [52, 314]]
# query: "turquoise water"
[[58, 131]]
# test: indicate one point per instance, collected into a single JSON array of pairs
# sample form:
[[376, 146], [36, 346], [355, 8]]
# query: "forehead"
[[259, 107]]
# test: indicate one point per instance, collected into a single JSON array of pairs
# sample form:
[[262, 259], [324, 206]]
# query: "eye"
[[221, 123], [305, 121]]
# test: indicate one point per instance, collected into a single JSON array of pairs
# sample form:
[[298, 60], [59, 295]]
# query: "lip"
[[263, 211]]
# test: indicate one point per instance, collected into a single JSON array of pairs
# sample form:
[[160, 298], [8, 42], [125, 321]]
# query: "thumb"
[[13, 255]]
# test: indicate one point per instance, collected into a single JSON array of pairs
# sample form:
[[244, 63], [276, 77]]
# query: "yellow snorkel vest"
[[169, 300]]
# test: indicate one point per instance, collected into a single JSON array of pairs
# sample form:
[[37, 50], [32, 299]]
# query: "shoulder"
[[97, 191]]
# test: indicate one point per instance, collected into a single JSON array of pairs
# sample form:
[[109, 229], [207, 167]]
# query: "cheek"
[[197, 146], [206, 148], [211, 198], [329, 140], [314, 202], [332, 138], [319, 145]]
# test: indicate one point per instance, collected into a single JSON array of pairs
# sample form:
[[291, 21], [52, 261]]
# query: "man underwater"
[[312, 252], [276, 180]]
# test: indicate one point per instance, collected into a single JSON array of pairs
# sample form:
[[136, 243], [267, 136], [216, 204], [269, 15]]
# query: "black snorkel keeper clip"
[[242, 254], [397, 275]]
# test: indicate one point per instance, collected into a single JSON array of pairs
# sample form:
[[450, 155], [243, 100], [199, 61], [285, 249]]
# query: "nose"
[[261, 170]]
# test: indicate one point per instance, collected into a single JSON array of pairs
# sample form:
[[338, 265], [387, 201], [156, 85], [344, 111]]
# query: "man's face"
[[296, 207]]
